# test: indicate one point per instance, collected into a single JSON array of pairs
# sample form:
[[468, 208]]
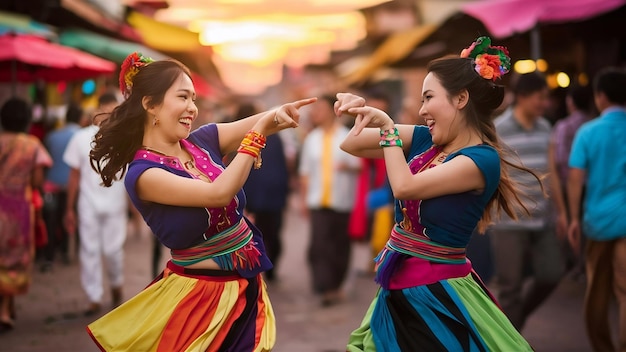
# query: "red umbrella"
[[27, 58]]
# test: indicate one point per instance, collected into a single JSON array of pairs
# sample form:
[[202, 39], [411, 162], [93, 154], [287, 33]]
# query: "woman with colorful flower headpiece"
[[447, 177], [211, 296]]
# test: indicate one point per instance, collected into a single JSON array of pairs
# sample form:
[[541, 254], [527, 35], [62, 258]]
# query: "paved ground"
[[43, 324]]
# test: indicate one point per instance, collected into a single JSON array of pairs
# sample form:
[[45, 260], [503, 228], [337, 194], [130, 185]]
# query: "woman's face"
[[441, 116], [178, 109]]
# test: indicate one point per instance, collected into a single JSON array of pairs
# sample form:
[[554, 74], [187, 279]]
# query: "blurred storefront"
[[568, 41], [107, 29]]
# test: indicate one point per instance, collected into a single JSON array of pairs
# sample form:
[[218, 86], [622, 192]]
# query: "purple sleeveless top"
[[184, 227]]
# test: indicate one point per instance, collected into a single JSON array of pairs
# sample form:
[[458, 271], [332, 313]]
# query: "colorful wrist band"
[[391, 143], [390, 133], [251, 145], [390, 138]]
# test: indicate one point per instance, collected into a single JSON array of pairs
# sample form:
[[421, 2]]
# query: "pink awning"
[[27, 58], [504, 18]]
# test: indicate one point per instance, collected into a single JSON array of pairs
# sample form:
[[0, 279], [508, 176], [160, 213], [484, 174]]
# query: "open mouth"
[[430, 124], [186, 121]]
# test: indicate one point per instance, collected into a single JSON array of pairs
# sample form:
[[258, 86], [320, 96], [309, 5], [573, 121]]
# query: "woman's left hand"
[[286, 116], [368, 116]]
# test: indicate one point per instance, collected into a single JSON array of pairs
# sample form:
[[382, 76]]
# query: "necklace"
[[189, 165], [441, 157]]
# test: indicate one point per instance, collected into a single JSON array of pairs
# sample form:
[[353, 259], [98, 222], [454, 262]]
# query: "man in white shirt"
[[102, 214]]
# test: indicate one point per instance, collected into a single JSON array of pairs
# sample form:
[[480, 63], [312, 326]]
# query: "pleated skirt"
[[455, 314], [191, 310]]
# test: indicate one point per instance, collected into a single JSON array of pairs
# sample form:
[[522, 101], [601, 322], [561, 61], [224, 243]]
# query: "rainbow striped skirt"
[[431, 300], [454, 314], [191, 310]]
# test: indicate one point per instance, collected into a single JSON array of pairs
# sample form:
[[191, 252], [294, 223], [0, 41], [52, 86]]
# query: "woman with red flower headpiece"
[[211, 296], [448, 177]]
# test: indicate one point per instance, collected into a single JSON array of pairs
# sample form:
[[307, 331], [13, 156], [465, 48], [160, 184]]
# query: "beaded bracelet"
[[390, 138], [251, 145]]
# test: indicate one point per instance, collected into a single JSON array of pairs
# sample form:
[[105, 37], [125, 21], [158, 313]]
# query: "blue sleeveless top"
[[450, 219], [185, 227]]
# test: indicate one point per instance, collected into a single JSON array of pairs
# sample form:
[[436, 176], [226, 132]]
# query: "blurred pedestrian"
[[328, 177], [211, 296], [597, 162], [23, 159], [98, 213], [526, 249], [430, 299], [55, 186], [266, 191], [578, 101]]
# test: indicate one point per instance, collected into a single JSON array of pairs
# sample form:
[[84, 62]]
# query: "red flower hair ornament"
[[130, 67], [490, 62]]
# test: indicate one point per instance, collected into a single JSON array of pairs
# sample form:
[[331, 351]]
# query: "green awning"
[[103, 46], [16, 23]]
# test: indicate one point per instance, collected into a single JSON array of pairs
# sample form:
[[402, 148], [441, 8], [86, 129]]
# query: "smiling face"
[[178, 109], [443, 119]]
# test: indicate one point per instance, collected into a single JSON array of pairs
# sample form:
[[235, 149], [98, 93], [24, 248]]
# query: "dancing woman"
[[211, 296], [447, 178]]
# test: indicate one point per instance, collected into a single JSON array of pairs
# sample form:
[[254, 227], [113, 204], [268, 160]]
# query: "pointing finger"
[[300, 103]]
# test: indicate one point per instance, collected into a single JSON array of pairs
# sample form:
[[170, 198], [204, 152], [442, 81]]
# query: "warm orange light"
[[542, 65], [268, 33], [562, 79], [256, 53], [524, 66]]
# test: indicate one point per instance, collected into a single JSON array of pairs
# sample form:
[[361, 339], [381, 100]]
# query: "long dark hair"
[[457, 74], [121, 135]]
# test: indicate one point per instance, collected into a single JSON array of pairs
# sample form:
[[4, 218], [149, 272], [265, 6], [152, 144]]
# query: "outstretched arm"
[[266, 123], [159, 186]]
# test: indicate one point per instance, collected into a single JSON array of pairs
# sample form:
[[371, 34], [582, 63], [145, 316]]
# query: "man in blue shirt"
[[598, 161], [55, 185]]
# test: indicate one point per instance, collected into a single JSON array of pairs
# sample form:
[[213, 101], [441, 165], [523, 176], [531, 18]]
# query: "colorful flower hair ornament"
[[129, 69], [491, 62]]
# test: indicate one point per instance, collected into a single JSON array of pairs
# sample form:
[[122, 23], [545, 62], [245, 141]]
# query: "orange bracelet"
[[251, 145]]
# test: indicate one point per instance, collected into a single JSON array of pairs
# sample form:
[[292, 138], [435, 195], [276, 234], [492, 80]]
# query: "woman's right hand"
[[365, 116], [345, 101]]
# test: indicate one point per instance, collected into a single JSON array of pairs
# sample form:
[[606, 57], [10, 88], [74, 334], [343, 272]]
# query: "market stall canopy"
[[394, 48], [28, 58], [15, 23], [106, 47], [162, 36], [504, 18], [117, 50]]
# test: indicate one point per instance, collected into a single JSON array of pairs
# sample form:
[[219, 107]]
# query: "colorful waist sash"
[[231, 249], [403, 244]]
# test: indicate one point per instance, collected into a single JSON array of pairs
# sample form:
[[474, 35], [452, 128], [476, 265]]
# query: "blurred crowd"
[[53, 208]]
